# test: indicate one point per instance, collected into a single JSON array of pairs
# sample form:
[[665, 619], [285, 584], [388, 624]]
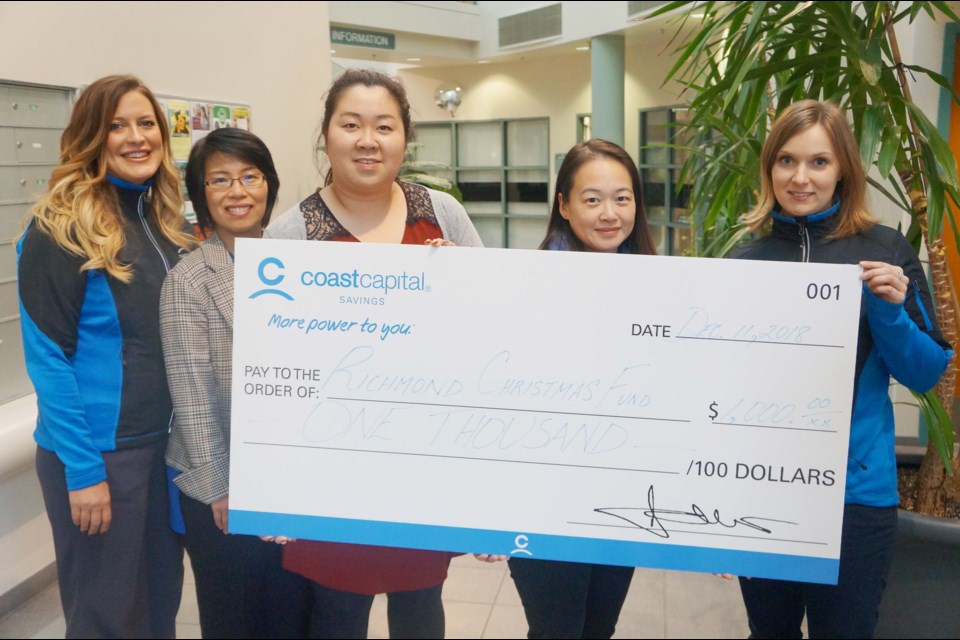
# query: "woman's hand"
[[885, 281], [220, 508], [438, 242], [90, 508], [278, 539], [486, 557]]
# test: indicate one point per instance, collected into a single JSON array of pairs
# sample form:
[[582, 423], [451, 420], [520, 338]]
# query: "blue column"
[[606, 101]]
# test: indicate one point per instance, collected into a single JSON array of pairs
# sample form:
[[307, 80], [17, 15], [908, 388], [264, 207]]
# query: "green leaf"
[[936, 77], [901, 202], [939, 426], [729, 242], [946, 9], [871, 61], [945, 164], [870, 128], [889, 149]]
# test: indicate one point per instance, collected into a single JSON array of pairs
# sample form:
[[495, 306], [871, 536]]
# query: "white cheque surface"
[[652, 411]]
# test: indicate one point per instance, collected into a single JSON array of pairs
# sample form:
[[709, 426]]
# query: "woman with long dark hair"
[[597, 206]]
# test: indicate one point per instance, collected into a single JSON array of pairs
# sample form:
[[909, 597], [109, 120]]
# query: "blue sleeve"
[[906, 335], [52, 289]]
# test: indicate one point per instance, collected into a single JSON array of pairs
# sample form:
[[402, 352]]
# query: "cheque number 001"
[[823, 291]]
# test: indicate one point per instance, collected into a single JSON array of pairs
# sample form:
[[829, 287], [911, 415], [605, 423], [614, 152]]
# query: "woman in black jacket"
[[813, 199]]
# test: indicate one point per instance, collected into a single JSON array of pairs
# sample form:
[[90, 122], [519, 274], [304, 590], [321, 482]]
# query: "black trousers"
[[242, 591], [570, 599], [410, 614], [775, 608], [125, 583]]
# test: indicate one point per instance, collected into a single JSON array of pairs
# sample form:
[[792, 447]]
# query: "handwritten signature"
[[652, 519]]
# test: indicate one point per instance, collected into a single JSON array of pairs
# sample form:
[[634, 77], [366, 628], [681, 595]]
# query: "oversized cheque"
[[652, 411]]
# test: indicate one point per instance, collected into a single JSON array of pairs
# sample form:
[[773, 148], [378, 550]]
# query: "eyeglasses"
[[248, 181]]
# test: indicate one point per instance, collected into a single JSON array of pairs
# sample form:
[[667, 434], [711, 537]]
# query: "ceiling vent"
[[530, 26]]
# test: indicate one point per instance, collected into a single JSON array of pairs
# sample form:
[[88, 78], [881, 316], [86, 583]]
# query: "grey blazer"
[[196, 328]]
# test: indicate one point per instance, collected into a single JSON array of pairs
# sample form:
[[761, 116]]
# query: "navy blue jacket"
[[92, 343], [901, 340]]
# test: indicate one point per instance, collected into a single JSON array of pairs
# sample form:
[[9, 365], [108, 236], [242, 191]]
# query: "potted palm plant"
[[739, 63]]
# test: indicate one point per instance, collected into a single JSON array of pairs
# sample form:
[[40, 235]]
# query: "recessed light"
[[413, 59], [333, 50], [587, 48], [483, 62]]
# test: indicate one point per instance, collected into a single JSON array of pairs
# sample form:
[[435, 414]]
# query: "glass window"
[[502, 170], [670, 223], [479, 145]]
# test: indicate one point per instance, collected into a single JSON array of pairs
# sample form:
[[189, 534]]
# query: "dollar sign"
[[713, 410]]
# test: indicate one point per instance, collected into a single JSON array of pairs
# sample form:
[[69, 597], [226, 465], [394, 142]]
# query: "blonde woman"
[[91, 264], [813, 208]]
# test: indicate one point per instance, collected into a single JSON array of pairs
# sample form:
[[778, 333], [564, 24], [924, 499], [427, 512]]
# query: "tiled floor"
[[481, 602]]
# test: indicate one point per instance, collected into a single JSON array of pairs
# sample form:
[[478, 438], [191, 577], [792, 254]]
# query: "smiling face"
[[134, 146], [365, 139], [601, 209], [805, 173], [237, 212]]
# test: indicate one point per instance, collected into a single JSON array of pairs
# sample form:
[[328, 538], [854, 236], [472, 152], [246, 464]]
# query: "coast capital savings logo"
[[521, 542], [274, 266]]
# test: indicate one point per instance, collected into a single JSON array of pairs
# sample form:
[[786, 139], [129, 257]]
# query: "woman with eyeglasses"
[[242, 590]]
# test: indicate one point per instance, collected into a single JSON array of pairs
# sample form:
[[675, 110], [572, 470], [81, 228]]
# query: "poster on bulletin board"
[[241, 118], [221, 117], [178, 115], [200, 119]]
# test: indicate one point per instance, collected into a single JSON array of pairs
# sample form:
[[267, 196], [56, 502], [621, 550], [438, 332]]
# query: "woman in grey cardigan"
[[365, 131], [242, 590]]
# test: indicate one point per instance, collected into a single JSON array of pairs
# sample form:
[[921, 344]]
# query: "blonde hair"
[[852, 217], [80, 210]]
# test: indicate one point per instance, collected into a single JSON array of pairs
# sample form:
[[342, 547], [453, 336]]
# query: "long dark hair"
[[558, 228], [235, 143]]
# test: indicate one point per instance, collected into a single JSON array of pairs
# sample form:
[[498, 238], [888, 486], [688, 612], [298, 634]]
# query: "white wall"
[[557, 87], [273, 56], [443, 19]]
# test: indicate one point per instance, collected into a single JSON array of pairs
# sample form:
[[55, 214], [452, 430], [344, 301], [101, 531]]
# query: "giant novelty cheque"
[[678, 413]]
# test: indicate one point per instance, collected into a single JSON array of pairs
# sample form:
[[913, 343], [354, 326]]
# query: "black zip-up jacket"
[[900, 340], [92, 343]]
